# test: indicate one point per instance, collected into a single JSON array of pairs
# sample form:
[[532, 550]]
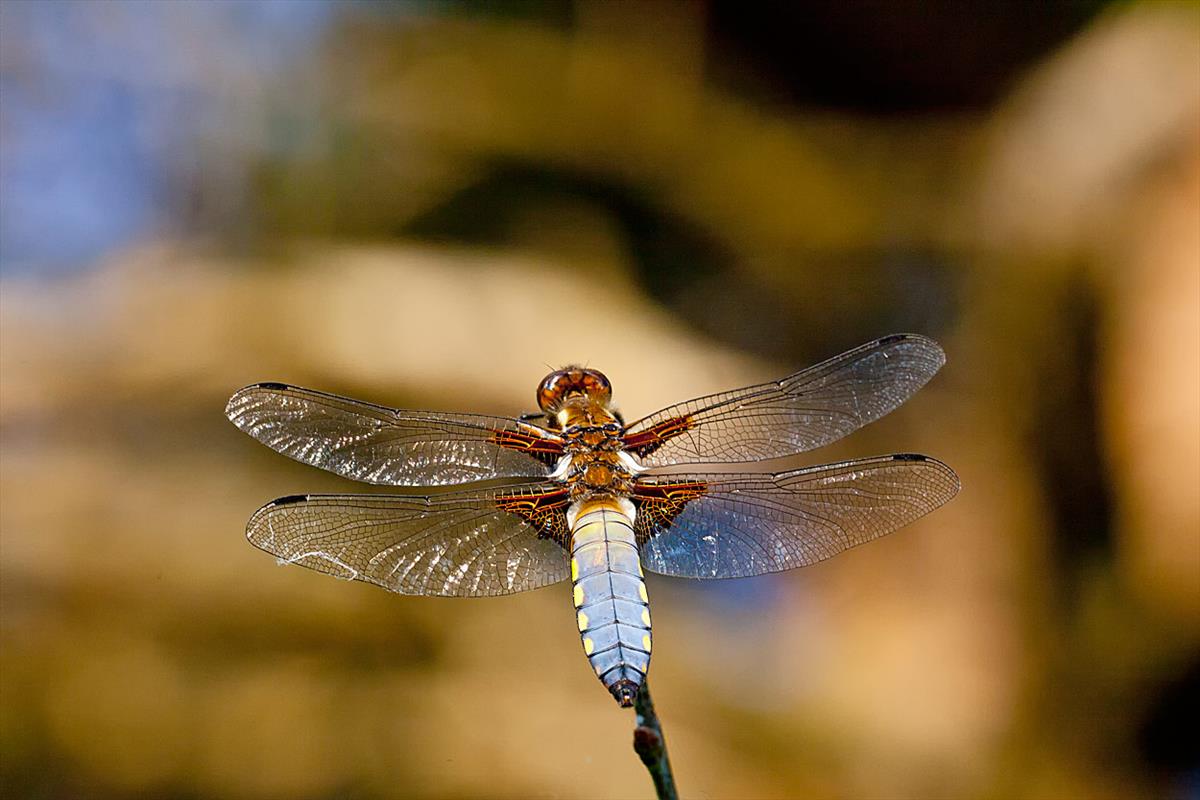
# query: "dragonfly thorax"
[[596, 469], [595, 464]]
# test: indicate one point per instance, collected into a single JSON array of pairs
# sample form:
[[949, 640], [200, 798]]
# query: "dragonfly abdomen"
[[610, 597]]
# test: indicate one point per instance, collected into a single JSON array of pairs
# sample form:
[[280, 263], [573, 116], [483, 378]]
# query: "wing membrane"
[[381, 445], [461, 544], [812, 408], [735, 525]]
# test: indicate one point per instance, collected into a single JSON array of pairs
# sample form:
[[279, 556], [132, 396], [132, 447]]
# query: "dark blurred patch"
[[559, 13], [854, 295], [1066, 437], [47, 776], [669, 252], [894, 57], [850, 296], [378, 638], [1167, 736]]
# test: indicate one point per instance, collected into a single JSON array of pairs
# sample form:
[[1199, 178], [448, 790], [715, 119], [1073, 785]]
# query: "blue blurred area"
[[98, 100], [739, 601]]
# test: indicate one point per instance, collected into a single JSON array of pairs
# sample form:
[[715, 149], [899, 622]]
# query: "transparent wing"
[[735, 525], [376, 444], [463, 544], [804, 411]]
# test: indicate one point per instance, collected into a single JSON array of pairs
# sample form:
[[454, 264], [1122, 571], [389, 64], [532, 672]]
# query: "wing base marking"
[[545, 511], [659, 503], [544, 449], [643, 443]]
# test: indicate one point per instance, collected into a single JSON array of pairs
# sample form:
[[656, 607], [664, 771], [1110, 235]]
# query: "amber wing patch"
[[544, 510], [660, 502], [643, 443], [544, 449]]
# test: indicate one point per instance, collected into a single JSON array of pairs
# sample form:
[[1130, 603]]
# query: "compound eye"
[[596, 384], [549, 393]]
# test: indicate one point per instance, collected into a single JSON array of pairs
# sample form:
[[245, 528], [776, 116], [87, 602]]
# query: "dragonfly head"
[[561, 385]]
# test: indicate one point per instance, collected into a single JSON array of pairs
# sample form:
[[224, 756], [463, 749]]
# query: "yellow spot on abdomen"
[[641, 591], [646, 617], [588, 645], [578, 595], [583, 621], [574, 569], [646, 642], [640, 573]]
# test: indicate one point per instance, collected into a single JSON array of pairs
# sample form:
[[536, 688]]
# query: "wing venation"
[[809, 409], [460, 544], [381, 445], [733, 525]]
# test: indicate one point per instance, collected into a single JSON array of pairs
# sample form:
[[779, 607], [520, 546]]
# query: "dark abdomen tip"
[[625, 691]]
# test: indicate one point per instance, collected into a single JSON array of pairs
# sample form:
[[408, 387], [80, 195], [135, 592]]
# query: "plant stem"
[[651, 747]]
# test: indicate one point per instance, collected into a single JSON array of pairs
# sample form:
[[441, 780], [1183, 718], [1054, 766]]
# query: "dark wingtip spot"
[[290, 499], [271, 385], [909, 457], [895, 337]]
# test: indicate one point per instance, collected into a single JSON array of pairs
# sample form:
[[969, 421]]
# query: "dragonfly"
[[573, 492]]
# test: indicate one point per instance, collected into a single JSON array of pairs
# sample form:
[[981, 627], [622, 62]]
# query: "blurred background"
[[425, 205]]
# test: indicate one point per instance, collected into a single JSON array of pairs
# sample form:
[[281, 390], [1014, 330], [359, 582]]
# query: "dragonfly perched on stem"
[[589, 499]]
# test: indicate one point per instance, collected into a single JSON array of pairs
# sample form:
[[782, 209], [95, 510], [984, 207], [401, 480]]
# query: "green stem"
[[651, 747]]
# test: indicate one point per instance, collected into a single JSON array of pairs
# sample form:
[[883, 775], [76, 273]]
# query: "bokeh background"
[[425, 205]]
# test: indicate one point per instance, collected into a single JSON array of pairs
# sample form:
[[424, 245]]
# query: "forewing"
[[804, 411], [734, 525], [463, 544], [376, 444]]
